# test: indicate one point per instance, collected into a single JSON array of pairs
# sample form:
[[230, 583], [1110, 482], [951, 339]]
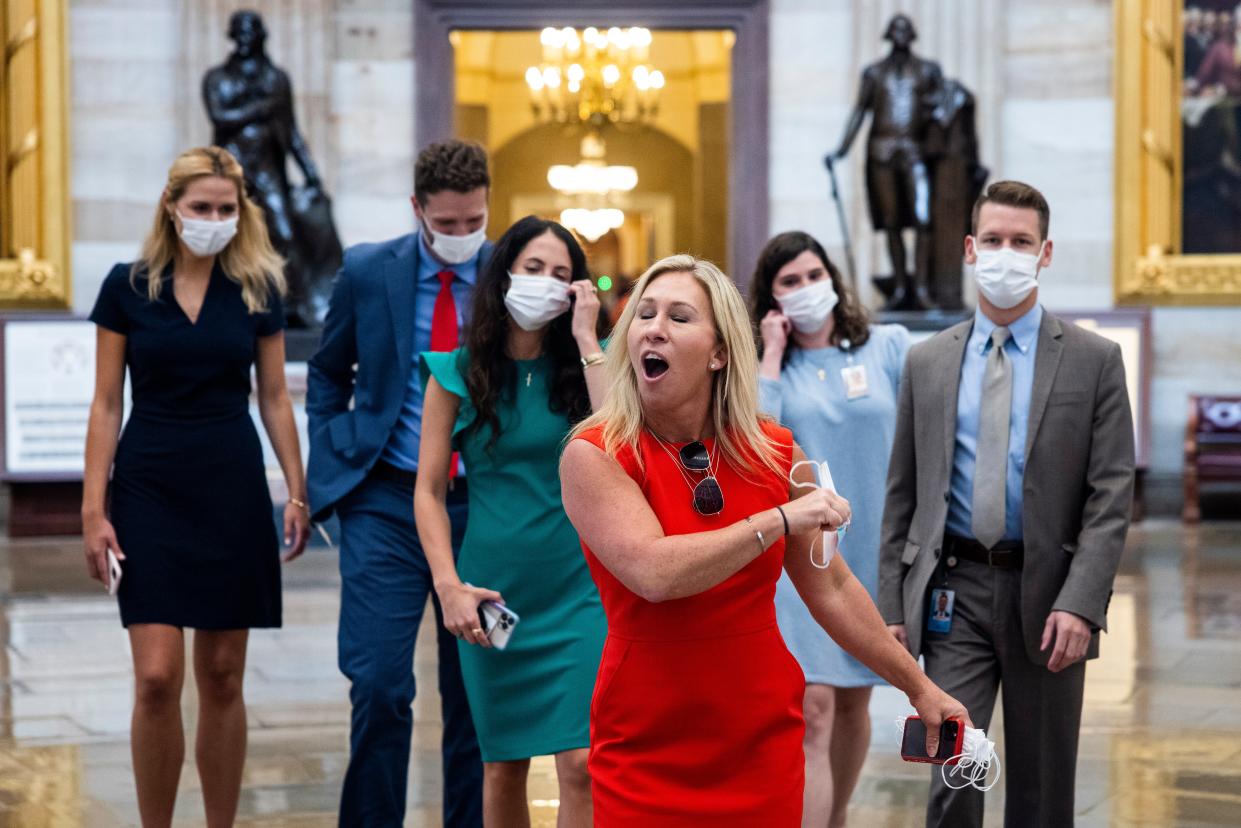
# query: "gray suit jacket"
[[1077, 488]]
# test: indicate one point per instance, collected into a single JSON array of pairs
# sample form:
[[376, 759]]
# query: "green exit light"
[[605, 283]]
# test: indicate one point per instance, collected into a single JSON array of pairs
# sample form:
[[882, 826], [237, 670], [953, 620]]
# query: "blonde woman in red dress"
[[680, 491]]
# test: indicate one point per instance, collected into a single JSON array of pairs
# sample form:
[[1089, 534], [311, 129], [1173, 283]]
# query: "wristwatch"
[[593, 359]]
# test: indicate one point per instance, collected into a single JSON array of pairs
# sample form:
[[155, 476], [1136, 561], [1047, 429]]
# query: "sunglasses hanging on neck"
[[694, 457]]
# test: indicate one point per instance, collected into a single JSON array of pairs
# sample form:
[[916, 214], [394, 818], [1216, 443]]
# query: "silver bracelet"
[[762, 544]]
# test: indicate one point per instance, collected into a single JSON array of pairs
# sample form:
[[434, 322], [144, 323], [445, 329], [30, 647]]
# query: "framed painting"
[[1178, 153]]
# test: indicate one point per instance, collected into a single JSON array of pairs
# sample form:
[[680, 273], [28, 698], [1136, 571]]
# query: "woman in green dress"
[[530, 371]]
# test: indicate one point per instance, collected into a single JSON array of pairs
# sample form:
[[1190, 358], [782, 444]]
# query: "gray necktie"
[[991, 460]]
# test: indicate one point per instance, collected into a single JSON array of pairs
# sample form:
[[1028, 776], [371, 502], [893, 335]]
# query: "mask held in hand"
[[831, 540], [972, 765]]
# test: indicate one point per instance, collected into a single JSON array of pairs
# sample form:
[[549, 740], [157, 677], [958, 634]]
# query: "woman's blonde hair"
[[249, 259], [734, 392]]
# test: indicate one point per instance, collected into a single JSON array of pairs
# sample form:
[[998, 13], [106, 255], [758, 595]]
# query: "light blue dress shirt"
[[1020, 350], [402, 448]]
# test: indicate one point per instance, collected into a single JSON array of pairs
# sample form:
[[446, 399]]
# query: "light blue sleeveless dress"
[[855, 438]]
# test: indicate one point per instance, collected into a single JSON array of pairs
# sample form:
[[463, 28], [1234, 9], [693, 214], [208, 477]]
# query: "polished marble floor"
[[1161, 740]]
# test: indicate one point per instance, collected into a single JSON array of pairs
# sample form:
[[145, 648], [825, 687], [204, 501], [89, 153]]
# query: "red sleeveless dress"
[[697, 712]]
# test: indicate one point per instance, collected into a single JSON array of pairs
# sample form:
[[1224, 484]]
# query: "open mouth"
[[654, 366]]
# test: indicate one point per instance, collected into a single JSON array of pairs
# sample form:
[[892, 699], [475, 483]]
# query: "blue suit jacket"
[[364, 358]]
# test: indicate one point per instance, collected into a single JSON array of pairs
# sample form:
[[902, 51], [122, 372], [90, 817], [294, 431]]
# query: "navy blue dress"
[[188, 497]]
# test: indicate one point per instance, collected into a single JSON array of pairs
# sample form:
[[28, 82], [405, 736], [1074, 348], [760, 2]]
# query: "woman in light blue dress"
[[831, 377]]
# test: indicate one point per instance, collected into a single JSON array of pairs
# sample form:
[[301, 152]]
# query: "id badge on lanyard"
[[856, 385], [853, 375]]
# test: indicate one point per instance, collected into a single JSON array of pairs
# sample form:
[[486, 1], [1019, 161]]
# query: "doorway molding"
[[434, 74]]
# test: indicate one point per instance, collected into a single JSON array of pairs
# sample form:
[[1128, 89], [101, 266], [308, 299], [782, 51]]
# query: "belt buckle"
[[991, 559]]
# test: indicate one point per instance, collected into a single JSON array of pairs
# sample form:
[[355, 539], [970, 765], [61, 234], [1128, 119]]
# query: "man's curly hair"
[[455, 165]]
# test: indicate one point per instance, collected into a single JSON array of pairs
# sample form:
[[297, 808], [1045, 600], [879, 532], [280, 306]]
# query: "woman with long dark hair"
[[506, 402], [831, 377], [181, 498]]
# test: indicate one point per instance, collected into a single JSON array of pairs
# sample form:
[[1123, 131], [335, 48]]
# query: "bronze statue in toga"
[[250, 102]]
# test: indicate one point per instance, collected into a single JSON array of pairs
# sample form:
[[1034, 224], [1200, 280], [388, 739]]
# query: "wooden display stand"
[[51, 508]]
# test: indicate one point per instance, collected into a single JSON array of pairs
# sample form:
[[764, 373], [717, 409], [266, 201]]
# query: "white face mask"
[[973, 764], [206, 238], [831, 540], [1005, 276], [455, 250], [807, 308], [533, 301]]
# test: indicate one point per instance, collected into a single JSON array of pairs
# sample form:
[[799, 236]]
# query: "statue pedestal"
[[926, 321]]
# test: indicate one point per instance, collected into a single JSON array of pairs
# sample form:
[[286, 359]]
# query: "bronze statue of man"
[[250, 102], [900, 92]]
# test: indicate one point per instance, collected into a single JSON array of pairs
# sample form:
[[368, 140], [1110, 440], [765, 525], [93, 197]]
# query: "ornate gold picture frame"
[[1149, 267], [34, 156]]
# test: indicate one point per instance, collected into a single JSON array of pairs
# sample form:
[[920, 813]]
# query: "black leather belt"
[[391, 474], [405, 478], [1004, 555]]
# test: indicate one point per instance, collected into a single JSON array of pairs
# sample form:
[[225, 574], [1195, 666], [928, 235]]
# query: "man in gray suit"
[[1009, 492]]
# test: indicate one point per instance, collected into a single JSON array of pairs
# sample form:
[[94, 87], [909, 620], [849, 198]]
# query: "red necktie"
[[444, 331], [444, 316]]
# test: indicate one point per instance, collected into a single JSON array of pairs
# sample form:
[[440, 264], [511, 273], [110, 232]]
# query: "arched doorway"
[[747, 126]]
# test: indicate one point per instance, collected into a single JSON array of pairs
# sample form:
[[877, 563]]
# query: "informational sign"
[[1128, 329], [49, 378], [48, 385]]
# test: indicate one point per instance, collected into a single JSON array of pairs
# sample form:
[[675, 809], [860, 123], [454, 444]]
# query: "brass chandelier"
[[595, 77]]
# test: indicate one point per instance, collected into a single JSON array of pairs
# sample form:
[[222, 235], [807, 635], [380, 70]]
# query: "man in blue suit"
[[391, 301]]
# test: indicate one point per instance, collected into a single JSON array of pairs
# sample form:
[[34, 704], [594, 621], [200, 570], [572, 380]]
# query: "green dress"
[[533, 698]]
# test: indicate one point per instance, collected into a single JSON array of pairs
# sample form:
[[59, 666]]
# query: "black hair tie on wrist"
[[785, 519]]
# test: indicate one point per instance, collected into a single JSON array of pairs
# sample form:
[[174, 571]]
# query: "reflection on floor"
[[1161, 741]]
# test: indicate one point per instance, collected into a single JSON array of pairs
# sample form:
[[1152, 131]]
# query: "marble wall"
[[1041, 71], [136, 69], [123, 61]]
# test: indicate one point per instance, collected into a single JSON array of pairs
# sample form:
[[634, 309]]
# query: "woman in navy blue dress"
[[188, 512]]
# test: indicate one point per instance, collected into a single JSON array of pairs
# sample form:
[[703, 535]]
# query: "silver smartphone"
[[114, 573], [498, 622]]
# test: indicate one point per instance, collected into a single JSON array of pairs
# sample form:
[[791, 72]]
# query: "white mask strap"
[[831, 540], [974, 763]]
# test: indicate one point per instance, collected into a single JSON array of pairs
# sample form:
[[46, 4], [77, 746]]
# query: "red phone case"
[[956, 748]]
